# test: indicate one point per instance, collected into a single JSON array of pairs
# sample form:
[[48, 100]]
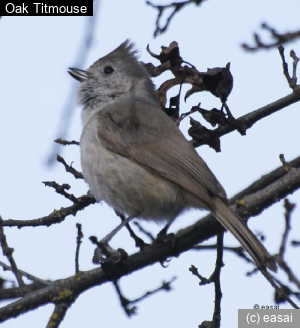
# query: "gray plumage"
[[136, 159]]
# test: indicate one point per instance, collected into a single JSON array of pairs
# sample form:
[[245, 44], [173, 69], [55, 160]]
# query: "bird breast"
[[125, 185]]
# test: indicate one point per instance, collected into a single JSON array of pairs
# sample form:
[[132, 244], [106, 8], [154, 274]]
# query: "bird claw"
[[163, 237], [106, 254]]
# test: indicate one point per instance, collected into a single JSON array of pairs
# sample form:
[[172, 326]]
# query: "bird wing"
[[153, 140], [144, 134]]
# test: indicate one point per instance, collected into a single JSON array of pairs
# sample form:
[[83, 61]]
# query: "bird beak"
[[79, 74]]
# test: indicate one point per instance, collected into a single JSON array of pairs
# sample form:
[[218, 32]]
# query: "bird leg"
[[106, 254], [108, 237]]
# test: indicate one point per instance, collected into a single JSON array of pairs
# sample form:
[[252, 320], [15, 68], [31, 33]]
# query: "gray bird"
[[135, 158]]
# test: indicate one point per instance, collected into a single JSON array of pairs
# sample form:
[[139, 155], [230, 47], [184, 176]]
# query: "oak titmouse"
[[136, 159]]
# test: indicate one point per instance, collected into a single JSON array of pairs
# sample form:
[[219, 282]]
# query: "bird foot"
[[106, 254]]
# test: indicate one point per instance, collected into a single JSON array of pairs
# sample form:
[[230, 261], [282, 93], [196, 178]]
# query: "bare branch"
[[250, 119], [295, 242], [175, 6], [27, 275], [69, 168], [239, 250], [8, 252], [63, 290], [214, 278], [78, 243], [58, 314], [250, 205], [61, 189], [56, 216], [279, 38], [125, 302], [66, 142], [165, 286], [278, 297], [218, 81], [265, 181], [269, 197], [146, 233], [289, 207], [292, 81], [17, 292]]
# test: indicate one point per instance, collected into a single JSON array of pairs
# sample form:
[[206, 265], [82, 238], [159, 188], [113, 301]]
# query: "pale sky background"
[[34, 83]]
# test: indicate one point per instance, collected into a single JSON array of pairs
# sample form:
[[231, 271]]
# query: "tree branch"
[[17, 292], [27, 275], [279, 38], [66, 142], [175, 6], [78, 244], [292, 81], [67, 289], [58, 314], [56, 216], [250, 119], [214, 278], [219, 82], [265, 180], [61, 189], [8, 252], [69, 168]]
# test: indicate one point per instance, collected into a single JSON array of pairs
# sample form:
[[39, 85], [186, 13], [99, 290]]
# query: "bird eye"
[[108, 70]]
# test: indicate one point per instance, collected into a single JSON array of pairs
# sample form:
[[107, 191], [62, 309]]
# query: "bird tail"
[[244, 235]]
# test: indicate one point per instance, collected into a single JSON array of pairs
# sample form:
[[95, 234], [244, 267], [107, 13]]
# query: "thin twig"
[[146, 233], [165, 286], [295, 63], [295, 242], [27, 275], [69, 168], [253, 117], [56, 216], [78, 244], [287, 290], [125, 302], [61, 189], [285, 164], [66, 142], [289, 207], [292, 81], [279, 290], [176, 6], [195, 272], [8, 252], [239, 250], [216, 276], [292, 277], [279, 38]]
